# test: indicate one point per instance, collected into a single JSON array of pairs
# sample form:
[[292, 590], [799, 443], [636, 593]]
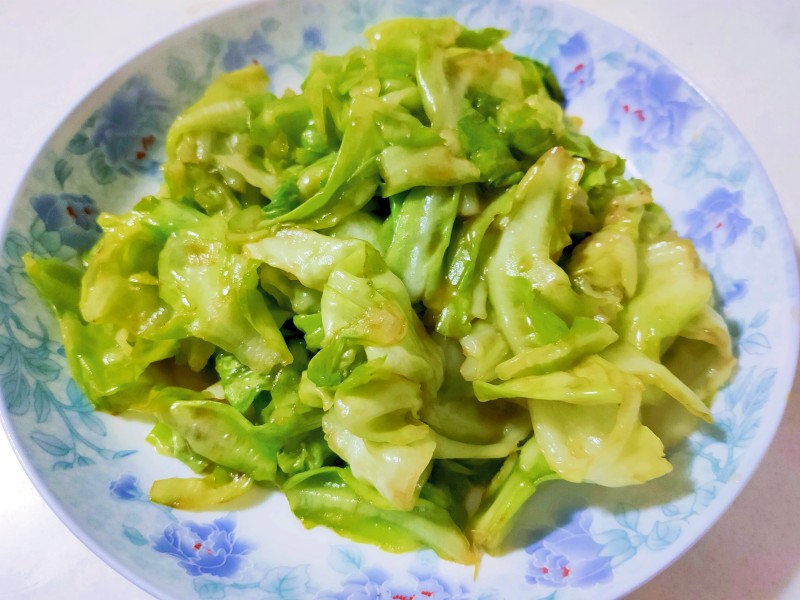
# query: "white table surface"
[[745, 55]]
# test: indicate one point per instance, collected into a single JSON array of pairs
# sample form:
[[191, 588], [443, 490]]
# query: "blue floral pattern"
[[630, 99], [204, 548], [258, 48], [126, 128], [368, 582], [573, 65], [717, 222], [125, 488], [651, 106], [63, 427], [569, 556], [72, 217], [244, 51], [122, 137]]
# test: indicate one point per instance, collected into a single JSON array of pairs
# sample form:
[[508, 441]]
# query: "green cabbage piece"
[[374, 426], [333, 497]]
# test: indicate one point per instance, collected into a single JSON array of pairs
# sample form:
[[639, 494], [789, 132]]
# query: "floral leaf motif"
[[5, 350], [9, 348], [98, 167], [43, 368], [754, 396], [62, 170], [15, 247], [42, 401], [122, 454], [134, 536], [728, 287], [8, 290], [287, 583], [77, 399], [345, 559], [362, 14], [615, 60], [728, 469], [760, 394], [50, 444], [106, 453], [16, 390], [62, 465], [269, 25], [209, 590], [760, 319], [617, 545], [627, 516], [703, 497], [670, 510], [80, 144], [756, 343], [736, 394], [93, 422], [759, 236], [211, 43], [701, 159], [84, 461], [369, 582], [740, 173], [663, 534], [181, 72], [44, 242]]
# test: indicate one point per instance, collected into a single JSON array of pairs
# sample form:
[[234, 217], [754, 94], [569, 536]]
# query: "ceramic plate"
[[578, 541]]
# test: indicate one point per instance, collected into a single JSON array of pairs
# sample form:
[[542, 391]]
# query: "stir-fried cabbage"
[[407, 296]]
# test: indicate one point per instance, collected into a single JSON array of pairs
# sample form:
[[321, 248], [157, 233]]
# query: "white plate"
[[632, 101]]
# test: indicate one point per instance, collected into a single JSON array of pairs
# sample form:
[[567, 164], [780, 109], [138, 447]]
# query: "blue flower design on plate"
[[204, 549], [569, 556], [573, 65], [257, 48], [126, 128], [652, 105], [368, 582], [73, 216], [375, 584], [313, 39], [246, 50], [125, 488], [718, 220], [121, 137]]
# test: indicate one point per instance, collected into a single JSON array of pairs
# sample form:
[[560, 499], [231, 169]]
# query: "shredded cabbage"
[[407, 296]]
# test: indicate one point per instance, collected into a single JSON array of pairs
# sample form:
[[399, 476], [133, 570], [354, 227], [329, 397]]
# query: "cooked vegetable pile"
[[406, 296]]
